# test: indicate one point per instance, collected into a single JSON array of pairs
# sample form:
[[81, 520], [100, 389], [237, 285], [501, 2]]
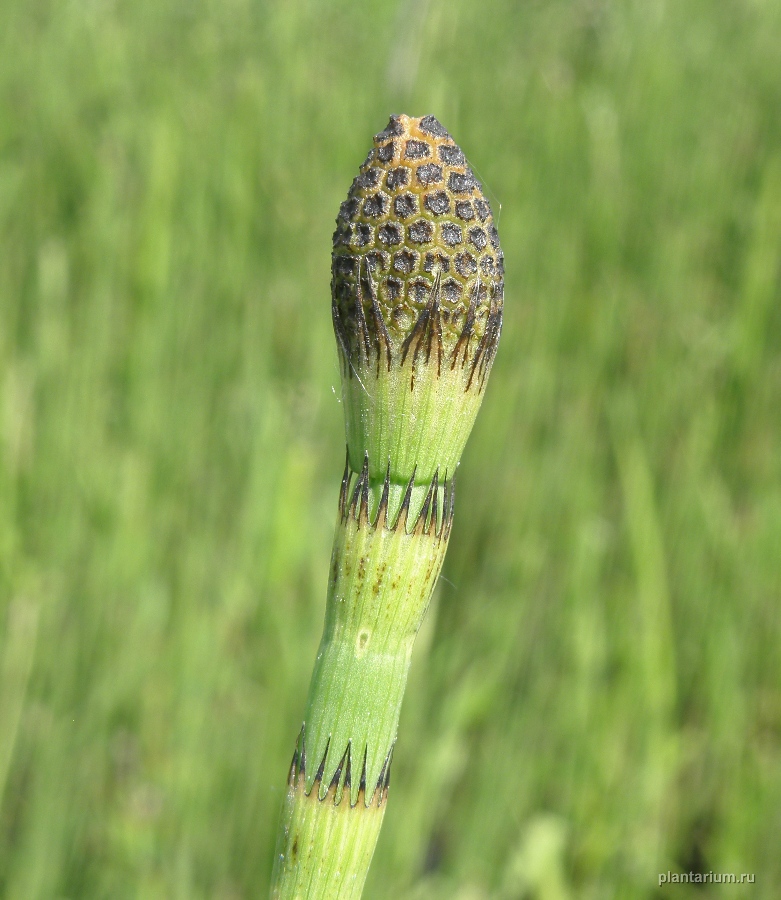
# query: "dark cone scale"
[[415, 232]]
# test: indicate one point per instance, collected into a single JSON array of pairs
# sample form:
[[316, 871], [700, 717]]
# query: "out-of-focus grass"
[[597, 696]]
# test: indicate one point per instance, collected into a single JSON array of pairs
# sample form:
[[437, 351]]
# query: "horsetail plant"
[[417, 294]]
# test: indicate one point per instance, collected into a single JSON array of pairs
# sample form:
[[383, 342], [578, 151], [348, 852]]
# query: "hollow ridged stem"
[[417, 307], [382, 573], [326, 847]]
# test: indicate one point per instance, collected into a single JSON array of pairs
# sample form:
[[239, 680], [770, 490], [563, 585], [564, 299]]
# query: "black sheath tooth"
[[362, 784], [351, 509], [383, 338], [341, 338], [469, 324], [382, 509], [426, 331], [343, 493], [348, 770], [434, 504], [493, 330], [440, 527], [487, 346], [302, 758], [447, 510], [435, 325], [361, 487], [420, 524], [321, 767], [364, 344], [344, 761], [291, 779], [404, 509], [384, 780], [386, 783], [380, 786], [420, 326], [363, 512]]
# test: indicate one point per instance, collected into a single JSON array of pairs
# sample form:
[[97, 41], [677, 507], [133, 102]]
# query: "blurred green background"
[[596, 695]]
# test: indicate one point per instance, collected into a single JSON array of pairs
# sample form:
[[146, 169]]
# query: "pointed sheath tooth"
[[381, 519], [416, 336], [363, 512], [447, 520], [495, 327], [381, 789], [343, 493], [360, 491], [437, 324], [291, 780], [378, 788], [442, 532], [341, 339], [475, 361], [427, 330], [440, 529], [389, 766], [381, 332], [348, 770], [486, 348], [432, 527], [362, 784], [434, 325], [466, 332], [421, 524], [405, 503], [428, 511], [360, 318], [321, 768], [337, 776], [355, 498], [302, 762]]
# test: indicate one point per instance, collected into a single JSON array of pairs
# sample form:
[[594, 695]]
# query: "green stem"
[[413, 375], [383, 569]]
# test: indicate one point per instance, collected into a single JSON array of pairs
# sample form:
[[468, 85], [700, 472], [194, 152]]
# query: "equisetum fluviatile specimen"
[[417, 293]]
